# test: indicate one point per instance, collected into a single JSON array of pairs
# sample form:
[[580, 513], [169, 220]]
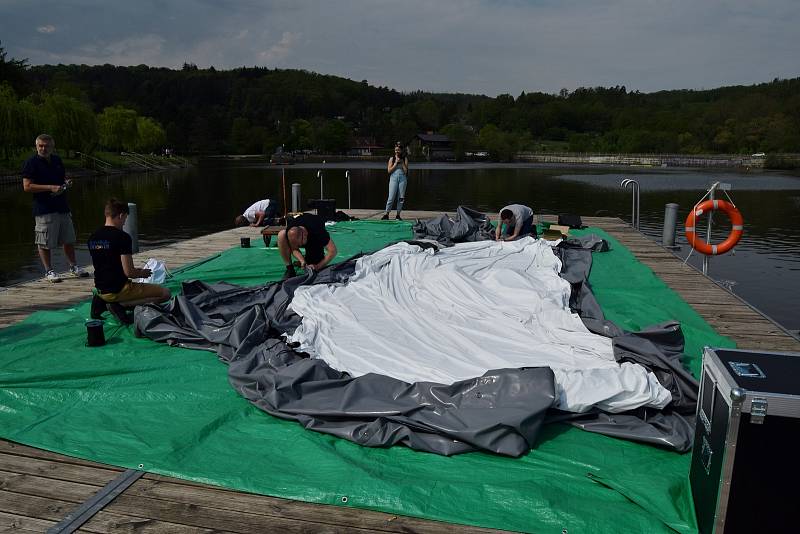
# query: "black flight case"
[[745, 471]]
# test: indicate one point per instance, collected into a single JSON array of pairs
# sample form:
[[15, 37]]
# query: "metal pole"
[[131, 226], [708, 226], [347, 175], [296, 198], [633, 205], [670, 222], [319, 175], [634, 200]]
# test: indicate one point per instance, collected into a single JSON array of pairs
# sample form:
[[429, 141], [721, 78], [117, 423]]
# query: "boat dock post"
[[670, 223]]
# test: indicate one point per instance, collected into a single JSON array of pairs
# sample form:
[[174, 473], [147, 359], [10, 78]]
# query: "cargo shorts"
[[54, 229], [133, 291]]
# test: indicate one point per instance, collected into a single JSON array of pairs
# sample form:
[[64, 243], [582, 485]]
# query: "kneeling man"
[[307, 231], [518, 221], [110, 248]]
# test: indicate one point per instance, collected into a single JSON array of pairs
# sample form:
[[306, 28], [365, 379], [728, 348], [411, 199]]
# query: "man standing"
[[110, 248], [518, 220], [45, 177], [308, 231]]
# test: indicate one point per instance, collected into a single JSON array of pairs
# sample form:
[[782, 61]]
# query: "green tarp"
[[138, 404]]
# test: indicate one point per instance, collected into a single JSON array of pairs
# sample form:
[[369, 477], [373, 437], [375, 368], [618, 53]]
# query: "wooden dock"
[[38, 488]]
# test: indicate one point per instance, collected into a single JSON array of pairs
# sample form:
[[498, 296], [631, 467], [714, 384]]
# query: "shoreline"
[[645, 162]]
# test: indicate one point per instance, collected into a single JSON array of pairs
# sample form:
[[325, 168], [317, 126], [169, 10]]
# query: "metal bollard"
[[347, 175], [670, 222], [296, 198], [132, 226]]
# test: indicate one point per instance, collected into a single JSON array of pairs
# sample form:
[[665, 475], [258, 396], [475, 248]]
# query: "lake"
[[176, 205]]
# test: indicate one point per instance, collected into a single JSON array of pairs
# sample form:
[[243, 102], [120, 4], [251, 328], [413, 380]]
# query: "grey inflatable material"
[[468, 225], [500, 412]]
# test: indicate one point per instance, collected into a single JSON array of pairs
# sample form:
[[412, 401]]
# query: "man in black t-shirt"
[[110, 248], [45, 177], [306, 231]]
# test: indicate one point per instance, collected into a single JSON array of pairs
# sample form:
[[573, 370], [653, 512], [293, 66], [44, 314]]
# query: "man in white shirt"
[[258, 214]]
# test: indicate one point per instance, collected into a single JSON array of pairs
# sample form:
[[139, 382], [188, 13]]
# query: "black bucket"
[[95, 337], [245, 242]]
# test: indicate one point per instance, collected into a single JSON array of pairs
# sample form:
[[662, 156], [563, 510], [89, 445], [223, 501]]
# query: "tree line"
[[255, 110]]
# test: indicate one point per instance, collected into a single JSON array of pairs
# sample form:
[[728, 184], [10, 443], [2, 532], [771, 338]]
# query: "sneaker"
[[98, 307], [120, 313], [398, 218], [385, 216], [289, 272], [77, 272], [52, 277]]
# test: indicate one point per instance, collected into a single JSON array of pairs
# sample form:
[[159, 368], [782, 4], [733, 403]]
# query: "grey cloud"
[[479, 46]]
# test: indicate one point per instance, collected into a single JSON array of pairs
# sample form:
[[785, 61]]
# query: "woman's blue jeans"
[[397, 190]]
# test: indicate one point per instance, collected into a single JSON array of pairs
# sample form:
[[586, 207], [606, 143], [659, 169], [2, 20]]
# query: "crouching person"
[[110, 248], [518, 222], [305, 231]]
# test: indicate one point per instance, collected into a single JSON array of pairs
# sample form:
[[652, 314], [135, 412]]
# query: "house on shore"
[[363, 146], [432, 147]]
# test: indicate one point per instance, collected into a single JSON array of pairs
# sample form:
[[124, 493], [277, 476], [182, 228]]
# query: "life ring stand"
[[737, 223]]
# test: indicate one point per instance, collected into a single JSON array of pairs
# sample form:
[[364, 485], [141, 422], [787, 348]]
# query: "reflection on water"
[[765, 269]]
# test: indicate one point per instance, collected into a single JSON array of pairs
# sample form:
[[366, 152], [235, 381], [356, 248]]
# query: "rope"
[[707, 194], [691, 247]]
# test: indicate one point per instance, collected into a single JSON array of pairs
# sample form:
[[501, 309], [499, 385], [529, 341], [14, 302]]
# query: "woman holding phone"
[[398, 179]]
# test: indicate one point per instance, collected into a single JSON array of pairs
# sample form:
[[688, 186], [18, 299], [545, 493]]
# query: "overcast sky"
[[470, 46]]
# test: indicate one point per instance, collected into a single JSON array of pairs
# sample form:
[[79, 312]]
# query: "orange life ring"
[[737, 223]]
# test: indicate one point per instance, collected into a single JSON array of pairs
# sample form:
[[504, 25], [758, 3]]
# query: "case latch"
[[758, 410]]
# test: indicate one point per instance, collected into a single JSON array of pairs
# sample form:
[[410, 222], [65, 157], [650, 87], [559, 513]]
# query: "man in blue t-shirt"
[[45, 177], [110, 248]]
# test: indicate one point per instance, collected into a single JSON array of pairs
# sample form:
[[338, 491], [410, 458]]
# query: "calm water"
[[765, 269]]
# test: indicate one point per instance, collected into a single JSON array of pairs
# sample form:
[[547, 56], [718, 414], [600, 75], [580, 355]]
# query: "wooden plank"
[[57, 470], [19, 524], [214, 513], [48, 478], [53, 510], [18, 449]]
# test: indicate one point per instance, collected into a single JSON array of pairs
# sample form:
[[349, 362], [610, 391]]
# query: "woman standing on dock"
[[398, 179]]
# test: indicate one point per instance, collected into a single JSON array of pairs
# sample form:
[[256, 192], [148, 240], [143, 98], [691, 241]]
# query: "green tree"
[[581, 142], [19, 122], [240, 135], [150, 136], [13, 71], [333, 137], [463, 138], [725, 139], [118, 128], [301, 135], [71, 122], [427, 114], [501, 145]]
